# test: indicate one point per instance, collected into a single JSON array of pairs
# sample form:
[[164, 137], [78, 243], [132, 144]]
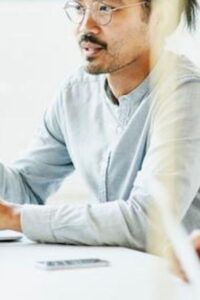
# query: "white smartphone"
[[71, 264]]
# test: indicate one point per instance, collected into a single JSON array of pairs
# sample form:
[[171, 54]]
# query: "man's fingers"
[[176, 267]]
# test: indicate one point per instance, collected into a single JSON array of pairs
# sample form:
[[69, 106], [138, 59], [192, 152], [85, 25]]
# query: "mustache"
[[92, 39]]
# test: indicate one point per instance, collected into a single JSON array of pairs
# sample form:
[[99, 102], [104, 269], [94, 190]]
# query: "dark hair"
[[191, 7], [188, 7]]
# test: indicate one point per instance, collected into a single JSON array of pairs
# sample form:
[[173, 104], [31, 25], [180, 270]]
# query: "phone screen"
[[71, 263]]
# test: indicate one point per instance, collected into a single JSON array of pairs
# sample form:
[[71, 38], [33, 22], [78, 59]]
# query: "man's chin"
[[94, 69]]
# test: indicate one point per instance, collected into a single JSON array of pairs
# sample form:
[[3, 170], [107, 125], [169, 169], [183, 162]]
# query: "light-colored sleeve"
[[42, 168], [173, 157]]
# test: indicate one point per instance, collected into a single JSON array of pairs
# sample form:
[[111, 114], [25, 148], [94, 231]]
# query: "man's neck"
[[125, 80]]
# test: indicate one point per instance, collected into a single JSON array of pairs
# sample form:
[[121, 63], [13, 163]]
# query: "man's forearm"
[[112, 223]]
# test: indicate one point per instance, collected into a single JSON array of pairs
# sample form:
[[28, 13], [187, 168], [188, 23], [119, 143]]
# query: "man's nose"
[[89, 24]]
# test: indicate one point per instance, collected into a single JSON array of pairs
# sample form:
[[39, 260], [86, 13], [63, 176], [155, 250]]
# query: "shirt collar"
[[110, 94], [135, 95]]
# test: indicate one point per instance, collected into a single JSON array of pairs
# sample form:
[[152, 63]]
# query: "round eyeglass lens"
[[101, 13], [74, 12]]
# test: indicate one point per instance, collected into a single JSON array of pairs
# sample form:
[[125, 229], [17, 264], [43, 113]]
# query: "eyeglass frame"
[[85, 8]]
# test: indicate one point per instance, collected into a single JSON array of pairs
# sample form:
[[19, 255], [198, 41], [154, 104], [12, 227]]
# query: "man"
[[107, 123]]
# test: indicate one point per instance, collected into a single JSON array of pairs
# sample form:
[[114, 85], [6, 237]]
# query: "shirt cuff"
[[36, 222]]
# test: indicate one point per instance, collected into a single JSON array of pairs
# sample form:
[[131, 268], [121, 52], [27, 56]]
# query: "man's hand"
[[10, 215], [176, 265], [195, 238]]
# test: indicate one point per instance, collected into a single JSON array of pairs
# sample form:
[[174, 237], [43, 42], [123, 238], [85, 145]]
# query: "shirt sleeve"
[[172, 162], [42, 168]]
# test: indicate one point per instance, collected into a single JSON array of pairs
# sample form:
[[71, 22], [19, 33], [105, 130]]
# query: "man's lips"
[[91, 49]]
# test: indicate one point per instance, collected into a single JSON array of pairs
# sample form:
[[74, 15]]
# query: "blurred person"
[[106, 122]]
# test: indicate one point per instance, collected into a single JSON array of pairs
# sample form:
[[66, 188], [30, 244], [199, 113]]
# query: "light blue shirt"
[[120, 150]]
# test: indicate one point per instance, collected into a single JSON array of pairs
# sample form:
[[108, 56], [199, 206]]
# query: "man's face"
[[124, 41]]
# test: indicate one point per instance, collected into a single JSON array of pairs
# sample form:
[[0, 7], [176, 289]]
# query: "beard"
[[95, 69], [109, 66], [109, 61]]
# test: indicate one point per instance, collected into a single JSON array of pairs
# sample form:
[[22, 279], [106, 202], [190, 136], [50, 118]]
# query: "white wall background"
[[37, 48]]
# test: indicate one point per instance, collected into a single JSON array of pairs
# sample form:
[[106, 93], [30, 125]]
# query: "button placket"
[[103, 177], [124, 113]]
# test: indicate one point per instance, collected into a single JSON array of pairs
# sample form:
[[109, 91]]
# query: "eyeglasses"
[[101, 13]]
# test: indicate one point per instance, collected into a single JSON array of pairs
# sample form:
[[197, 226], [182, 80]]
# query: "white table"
[[131, 274]]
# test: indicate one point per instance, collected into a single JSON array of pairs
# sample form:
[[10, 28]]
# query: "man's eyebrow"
[[120, 2]]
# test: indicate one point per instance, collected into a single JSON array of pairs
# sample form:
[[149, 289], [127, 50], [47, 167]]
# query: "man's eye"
[[105, 8], [78, 7]]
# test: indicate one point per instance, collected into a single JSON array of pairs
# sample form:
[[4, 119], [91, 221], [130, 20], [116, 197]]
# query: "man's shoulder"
[[174, 71], [188, 69], [181, 68]]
